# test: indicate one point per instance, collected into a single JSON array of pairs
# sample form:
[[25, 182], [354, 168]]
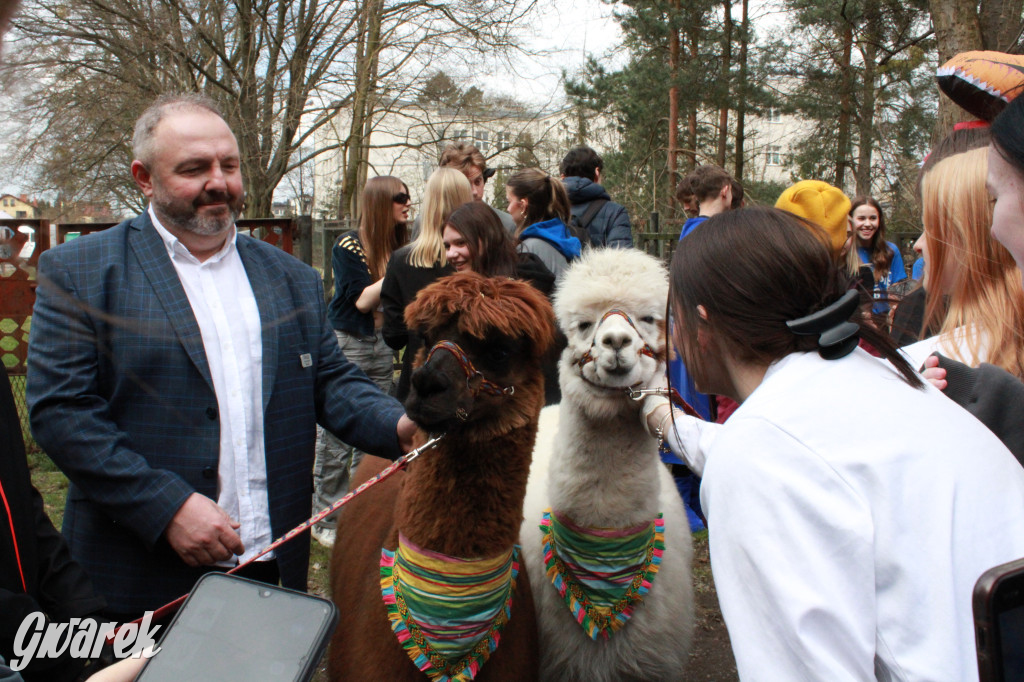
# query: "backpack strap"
[[588, 216]]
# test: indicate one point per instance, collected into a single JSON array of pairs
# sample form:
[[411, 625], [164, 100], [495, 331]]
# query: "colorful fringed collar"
[[447, 613], [603, 574]]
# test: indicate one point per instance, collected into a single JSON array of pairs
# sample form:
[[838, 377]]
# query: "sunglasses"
[[401, 198]]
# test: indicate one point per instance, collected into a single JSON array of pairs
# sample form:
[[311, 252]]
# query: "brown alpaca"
[[464, 498]]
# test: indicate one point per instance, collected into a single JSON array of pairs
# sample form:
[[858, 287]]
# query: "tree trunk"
[[956, 30], [741, 91], [673, 106], [1000, 23], [866, 112], [845, 107], [723, 112], [357, 143], [693, 33]]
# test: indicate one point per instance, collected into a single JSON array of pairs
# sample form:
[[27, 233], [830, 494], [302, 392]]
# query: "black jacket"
[[993, 395], [402, 281], [610, 227], [36, 569]]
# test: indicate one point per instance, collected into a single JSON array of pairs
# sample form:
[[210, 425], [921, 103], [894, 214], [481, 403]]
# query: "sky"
[[561, 35]]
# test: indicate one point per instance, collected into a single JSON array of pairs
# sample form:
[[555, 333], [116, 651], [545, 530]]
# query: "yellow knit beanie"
[[822, 204]]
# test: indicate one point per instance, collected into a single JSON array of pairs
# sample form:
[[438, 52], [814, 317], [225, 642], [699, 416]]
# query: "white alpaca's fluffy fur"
[[595, 463]]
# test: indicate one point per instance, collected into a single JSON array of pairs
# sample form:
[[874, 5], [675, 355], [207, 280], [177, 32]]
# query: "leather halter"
[[634, 392], [588, 356], [485, 385]]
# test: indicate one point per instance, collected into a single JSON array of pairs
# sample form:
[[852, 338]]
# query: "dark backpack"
[[580, 227]]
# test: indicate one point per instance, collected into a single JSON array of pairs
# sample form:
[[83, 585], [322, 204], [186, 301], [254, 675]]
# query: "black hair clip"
[[837, 336]]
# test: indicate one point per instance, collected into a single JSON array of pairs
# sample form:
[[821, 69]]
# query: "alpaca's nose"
[[616, 340], [429, 382]]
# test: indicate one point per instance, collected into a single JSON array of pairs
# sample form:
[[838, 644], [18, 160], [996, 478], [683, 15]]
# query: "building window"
[[483, 140], [503, 140], [774, 116], [773, 155], [460, 134], [21, 214]]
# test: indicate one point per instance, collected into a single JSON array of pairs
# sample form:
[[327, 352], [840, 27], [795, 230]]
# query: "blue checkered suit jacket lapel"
[[262, 272], [151, 252]]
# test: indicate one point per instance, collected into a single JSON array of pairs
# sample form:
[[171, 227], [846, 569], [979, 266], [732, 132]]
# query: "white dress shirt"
[[225, 308]]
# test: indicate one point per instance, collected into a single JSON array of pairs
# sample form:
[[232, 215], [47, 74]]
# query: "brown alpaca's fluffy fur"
[[465, 497], [484, 306]]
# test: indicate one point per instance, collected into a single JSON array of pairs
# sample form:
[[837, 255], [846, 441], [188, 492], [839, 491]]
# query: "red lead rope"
[[393, 468], [14, 539], [686, 407]]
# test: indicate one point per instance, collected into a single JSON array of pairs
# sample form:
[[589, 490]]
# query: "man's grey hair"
[[142, 140]]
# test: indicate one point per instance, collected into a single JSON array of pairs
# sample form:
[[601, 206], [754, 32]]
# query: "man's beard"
[[186, 216]]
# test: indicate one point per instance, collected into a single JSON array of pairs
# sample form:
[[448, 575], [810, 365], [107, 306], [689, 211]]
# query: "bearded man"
[[177, 370]]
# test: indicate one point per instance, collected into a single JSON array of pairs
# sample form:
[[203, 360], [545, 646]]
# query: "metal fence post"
[[655, 227], [304, 224]]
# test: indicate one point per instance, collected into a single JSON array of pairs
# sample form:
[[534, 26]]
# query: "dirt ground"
[[711, 658]]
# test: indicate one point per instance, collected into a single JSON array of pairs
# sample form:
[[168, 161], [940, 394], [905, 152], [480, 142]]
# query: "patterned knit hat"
[[982, 82], [822, 204]]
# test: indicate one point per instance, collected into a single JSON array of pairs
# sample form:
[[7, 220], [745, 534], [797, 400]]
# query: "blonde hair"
[[851, 261], [986, 299], [446, 190]]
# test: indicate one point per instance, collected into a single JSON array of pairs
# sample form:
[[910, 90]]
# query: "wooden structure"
[[22, 240]]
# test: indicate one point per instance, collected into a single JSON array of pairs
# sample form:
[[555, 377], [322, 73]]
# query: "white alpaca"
[[596, 466]]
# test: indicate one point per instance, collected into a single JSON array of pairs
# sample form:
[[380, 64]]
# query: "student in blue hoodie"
[[540, 206], [713, 190]]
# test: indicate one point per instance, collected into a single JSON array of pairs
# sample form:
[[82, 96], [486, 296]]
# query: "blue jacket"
[[551, 241], [554, 232], [610, 227], [679, 377], [692, 224], [121, 398], [897, 273]]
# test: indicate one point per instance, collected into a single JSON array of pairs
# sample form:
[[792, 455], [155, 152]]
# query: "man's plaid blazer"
[[121, 398]]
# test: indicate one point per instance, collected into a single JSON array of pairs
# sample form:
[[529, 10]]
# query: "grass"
[[49, 481]]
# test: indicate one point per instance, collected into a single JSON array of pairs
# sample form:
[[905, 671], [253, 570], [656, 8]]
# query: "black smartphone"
[[233, 628], [999, 623]]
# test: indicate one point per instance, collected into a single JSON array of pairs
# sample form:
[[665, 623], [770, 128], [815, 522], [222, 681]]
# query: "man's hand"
[[406, 431], [202, 533]]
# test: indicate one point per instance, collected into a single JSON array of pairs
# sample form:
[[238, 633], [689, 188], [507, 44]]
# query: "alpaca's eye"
[[647, 319], [499, 354], [584, 326]]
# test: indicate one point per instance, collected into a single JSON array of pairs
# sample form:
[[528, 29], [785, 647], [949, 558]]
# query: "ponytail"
[[546, 196]]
